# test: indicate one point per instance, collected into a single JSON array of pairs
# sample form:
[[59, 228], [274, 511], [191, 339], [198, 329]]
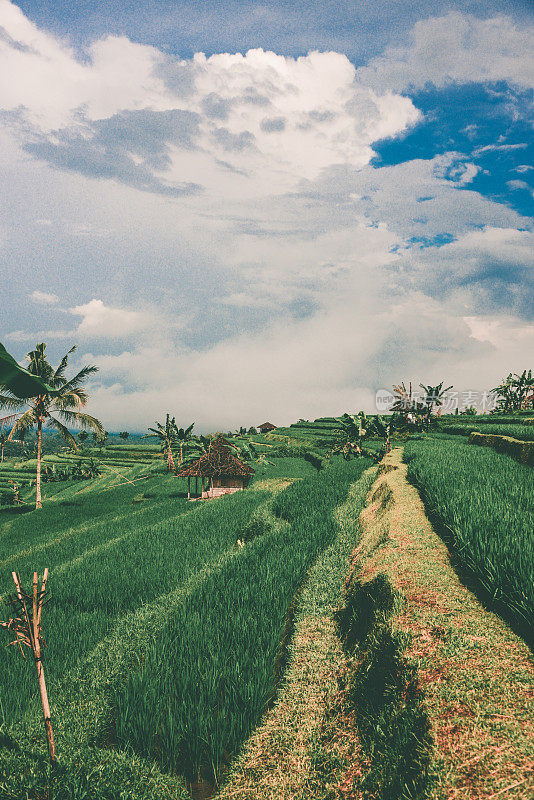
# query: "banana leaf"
[[19, 381]]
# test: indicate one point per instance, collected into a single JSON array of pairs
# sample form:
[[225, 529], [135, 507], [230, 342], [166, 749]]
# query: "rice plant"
[[486, 500], [112, 567], [206, 679]]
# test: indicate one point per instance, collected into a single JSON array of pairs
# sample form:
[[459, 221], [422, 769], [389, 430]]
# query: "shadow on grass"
[[468, 576], [22, 509]]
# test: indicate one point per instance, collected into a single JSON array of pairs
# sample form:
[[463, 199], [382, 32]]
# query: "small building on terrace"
[[266, 427], [220, 472]]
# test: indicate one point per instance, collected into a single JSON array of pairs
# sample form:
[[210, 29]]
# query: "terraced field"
[[139, 555]]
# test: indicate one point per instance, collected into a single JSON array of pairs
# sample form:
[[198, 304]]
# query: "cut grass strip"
[[475, 674], [305, 745], [483, 502], [205, 683]]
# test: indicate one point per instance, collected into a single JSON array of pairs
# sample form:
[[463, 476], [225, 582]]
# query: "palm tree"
[[59, 396], [167, 435], [183, 436], [433, 396], [523, 384]]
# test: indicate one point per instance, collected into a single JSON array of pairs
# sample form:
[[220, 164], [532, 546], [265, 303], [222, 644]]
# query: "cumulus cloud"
[[105, 322], [130, 113], [456, 48], [243, 252]]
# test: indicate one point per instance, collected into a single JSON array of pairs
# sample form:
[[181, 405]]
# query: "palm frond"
[[58, 374], [74, 398], [10, 402], [84, 421], [64, 432], [23, 424], [75, 382]]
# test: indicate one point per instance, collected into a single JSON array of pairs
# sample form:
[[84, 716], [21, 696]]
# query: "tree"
[[183, 436], [382, 426], [351, 431], [124, 435], [3, 440], [100, 437], [167, 435], [53, 405], [83, 436], [515, 392], [433, 396], [406, 405]]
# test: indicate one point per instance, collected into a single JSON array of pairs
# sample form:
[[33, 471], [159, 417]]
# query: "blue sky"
[[265, 210]]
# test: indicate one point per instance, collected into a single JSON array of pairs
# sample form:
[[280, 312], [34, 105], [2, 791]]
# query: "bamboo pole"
[[40, 671], [28, 631]]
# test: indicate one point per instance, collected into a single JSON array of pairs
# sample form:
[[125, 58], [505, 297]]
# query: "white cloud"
[[235, 124], [105, 322], [245, 259], [44, 298], [456, 48]]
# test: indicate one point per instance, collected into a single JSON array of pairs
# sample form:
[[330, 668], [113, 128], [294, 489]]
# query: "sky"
[[249, 211]]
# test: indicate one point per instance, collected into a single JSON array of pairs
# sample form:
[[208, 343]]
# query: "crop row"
[[127, 563], [523, 432], [205, 680], [485, 500]]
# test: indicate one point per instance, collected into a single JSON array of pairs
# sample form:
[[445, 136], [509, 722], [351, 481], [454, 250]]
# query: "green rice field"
[[485, 500]]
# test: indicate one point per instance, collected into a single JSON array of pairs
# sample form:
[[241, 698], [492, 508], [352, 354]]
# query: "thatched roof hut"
[[220, 468], [266, 427]]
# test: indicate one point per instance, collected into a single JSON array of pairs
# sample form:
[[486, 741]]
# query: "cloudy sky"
[[244, 211]]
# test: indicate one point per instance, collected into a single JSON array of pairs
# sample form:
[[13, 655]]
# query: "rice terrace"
[[267, 400], [338, 608]]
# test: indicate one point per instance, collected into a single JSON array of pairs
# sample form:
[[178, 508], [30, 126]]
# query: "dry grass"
[[475, 673], [306, 746]]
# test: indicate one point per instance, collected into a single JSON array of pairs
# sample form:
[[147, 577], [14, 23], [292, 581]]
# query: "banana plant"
[[167, 436]]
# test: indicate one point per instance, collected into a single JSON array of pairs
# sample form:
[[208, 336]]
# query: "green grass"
[[525, 433], [485, 500], [107, 565], [207, 678]]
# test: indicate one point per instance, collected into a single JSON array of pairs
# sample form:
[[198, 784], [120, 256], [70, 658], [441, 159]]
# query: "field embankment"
[[441, 688], [524, 431], [483, 504], [520, 450], [305, 745]]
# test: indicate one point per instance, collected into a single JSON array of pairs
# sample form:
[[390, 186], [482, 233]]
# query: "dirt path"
[[476, 675]]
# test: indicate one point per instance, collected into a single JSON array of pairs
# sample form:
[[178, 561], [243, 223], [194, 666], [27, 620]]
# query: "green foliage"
[[523, 432], [486, 502], [516, 391], [107, 557], [206, 680]]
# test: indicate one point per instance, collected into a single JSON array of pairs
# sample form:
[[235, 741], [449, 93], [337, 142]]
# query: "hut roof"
[[267, 426], [219, 460]]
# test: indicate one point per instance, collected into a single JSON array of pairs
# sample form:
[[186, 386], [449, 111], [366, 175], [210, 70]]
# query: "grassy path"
[[473, 676], [301, 748]]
